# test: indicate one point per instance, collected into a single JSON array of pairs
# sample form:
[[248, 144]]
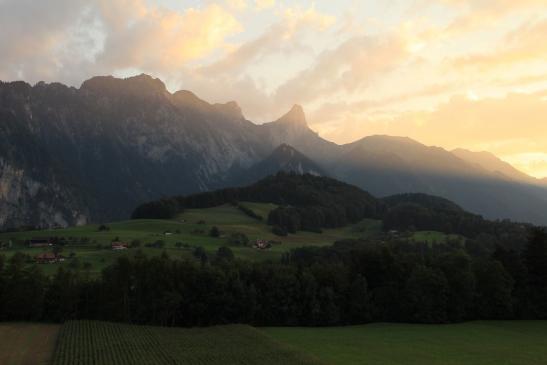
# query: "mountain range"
[[90, 154]]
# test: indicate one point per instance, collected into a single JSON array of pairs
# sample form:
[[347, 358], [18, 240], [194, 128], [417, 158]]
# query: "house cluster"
[[44, 257], [40, 242], [262, 244], [48, 258], [117, 245]]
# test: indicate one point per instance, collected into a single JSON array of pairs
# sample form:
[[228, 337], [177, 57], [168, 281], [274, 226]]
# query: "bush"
[[279, 231], [103, 227], [157, 244], [200, 254], [214, 232], [248, 211], [225, 253], [239, 239]]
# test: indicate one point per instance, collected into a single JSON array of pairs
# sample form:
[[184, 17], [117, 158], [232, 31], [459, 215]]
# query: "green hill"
[[89, 245]]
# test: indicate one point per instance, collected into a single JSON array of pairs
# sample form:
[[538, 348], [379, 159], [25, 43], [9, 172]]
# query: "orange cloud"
[[161, 40], [527, 43]]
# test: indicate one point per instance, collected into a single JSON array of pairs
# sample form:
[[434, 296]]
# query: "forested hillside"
[[308, 202]]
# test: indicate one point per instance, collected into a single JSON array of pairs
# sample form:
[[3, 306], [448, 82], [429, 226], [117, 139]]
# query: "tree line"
[[351, 282]]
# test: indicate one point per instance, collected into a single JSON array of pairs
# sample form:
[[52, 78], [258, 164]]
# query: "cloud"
[[349, 67], [155, 39], [68, 40], [478, 15], [281, 36], [527, 43], [32, 33], [264, 4], [232, 71], [237, 4]]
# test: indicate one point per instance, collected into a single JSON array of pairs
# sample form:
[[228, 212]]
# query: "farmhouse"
[[48, 258], [262, 244], [119, 245], [40, 242]]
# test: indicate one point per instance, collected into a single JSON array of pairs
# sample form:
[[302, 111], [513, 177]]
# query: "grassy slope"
[[432, 237], [27, 343], [474, 343], [228, 218], [97, 343]]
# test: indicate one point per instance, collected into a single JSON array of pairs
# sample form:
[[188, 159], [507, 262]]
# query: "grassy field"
[[98, 343], [433, 237], [89, 247], [474, 343], [85, 242], [27, 344]]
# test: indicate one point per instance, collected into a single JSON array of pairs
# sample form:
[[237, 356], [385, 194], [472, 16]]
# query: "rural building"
[[262, 244], [48, 258], [119, 245], [40, 242]]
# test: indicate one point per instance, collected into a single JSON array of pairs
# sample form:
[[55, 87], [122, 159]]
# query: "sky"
[[449, 73]]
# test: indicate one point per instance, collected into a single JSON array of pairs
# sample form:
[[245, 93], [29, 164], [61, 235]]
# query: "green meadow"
[[472, 343], [89, 246]]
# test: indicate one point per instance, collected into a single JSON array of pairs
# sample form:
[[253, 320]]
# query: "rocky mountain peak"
[[186, 98], [231, 109], [140, 84], [295, 116]]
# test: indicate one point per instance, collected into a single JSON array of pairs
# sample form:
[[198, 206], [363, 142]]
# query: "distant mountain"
[[292, 129], [387, 165], [74, 155], [492, 163], [283, 158]]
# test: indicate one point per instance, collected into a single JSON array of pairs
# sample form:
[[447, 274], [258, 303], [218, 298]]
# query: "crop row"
[[98, 343]]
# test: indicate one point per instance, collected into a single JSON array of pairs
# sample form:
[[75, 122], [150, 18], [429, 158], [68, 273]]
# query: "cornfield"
[[97, 343]]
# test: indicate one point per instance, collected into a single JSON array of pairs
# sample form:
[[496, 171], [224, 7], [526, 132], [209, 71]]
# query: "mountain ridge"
[[114, 143]]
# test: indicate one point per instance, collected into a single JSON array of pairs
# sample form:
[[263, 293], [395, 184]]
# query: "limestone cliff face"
[[73, 155], [25, 200]]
